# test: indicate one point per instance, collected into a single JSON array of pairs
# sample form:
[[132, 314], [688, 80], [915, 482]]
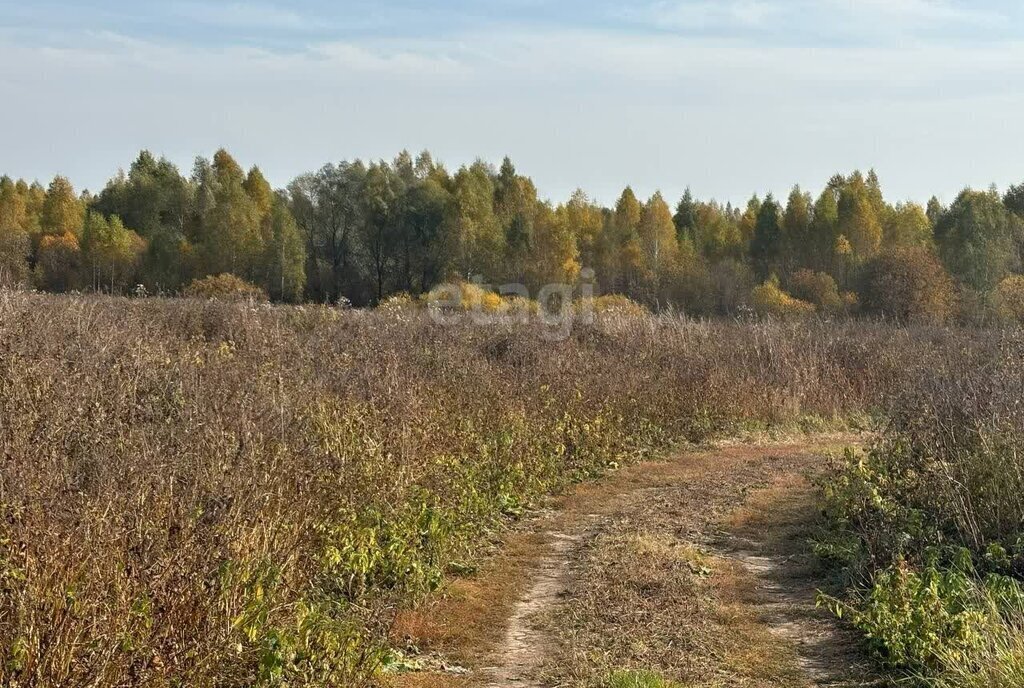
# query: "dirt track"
[[694, 569]]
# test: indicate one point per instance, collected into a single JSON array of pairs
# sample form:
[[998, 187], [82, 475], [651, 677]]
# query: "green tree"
[[285, 255], [423, 241], [111, 253], [716, 233], [1014, 200], [767, 244], [516, 207], [380, 198], [478, 235], [978, 239], [748, 221], [15, 245], [858, 218], [796, 230], [621, 256], [934, 211], [907, 225], [824, 232], [152, 197], [685, 218], [329, 209], [228, 236], [13, 207]]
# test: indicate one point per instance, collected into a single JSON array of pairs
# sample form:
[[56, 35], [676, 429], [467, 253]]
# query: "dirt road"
[[693, 571]]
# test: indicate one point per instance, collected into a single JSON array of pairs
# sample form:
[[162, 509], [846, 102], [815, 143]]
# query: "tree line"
[[361, 232]]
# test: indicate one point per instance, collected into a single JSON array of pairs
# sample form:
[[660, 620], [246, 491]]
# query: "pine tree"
[[824, 231], [796, 230], [685, 219], [766, 246]]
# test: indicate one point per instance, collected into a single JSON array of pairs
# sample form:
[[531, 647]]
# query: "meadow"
[[204, 493]]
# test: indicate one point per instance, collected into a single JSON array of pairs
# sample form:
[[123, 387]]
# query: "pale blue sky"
[[728, 97]]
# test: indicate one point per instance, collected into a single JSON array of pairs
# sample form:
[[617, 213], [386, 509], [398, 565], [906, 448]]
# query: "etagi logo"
[[557, 307]]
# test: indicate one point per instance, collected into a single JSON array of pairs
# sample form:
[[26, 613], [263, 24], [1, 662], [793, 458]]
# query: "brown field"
[[213, 494]]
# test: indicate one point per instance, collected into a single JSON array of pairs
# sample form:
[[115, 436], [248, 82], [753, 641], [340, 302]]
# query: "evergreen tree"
[[796, 230], [766, 246], [516, 207], [1014, 200], [685, 219], [824, 232], [934, 212]]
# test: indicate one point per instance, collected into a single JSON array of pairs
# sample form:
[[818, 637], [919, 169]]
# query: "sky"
[[727, 97]]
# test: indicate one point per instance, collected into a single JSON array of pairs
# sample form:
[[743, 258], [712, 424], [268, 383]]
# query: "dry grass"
[[650, 595], [213, 494]]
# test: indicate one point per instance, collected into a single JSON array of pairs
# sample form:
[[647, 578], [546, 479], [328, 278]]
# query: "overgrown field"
[[928, 524], [212, 494]]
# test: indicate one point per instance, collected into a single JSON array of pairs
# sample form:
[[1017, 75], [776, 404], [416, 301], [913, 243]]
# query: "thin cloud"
[[706, 14], [854, 20], [239, 15], [919, 10]]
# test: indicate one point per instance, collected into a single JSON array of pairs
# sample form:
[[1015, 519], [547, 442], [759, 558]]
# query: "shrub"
[[770, 300], [817, 288], [464, 296], [925, 620], [398, 303], [930, 518], [263, 488], [59, 262], [224, 287], [14, 252], [1009, 299], [908, 284], [731, 284], [612, 305]]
